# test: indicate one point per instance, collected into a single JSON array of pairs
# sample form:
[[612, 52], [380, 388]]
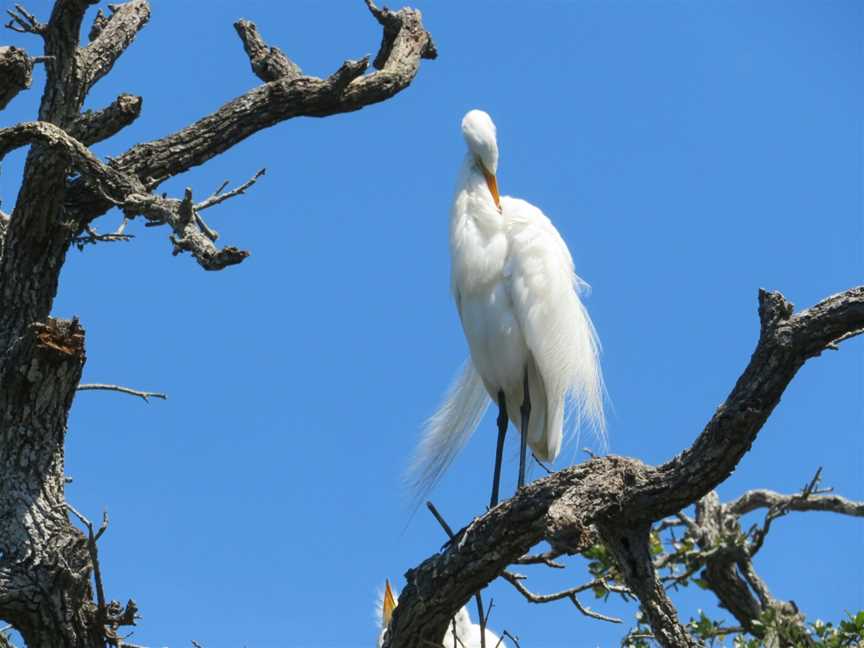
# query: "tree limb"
[[92, 127], [113, 37], [190, 232], [16, 70], [268, 63], [70, 150], [64, 93], [761, 498], [281, 99], [622, 497]]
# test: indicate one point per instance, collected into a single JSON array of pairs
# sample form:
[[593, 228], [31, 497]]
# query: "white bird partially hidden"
[[534, 350], [461, 632]]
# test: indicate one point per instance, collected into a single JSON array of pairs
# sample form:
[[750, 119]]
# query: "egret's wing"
[[447, 431], [545, 292]]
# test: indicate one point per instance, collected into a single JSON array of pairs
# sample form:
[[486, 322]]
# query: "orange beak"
[[389, 603], [492, 183]]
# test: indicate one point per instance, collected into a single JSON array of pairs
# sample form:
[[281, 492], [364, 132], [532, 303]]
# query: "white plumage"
[[518, 298]]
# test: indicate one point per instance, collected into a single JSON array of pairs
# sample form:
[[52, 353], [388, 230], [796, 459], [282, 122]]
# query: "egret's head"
[[479, 131]]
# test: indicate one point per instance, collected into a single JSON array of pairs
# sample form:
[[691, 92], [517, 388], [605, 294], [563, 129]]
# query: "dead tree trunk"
[[46, 563]]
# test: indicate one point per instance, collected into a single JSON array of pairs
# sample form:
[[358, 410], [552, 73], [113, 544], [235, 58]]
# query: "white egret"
[[533, 347], [461, 632]]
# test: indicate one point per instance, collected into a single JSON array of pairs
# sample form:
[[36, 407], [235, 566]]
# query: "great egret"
[[533, 347], [461, 633]]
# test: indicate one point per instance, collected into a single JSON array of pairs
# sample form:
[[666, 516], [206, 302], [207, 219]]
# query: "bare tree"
[[46, 564]]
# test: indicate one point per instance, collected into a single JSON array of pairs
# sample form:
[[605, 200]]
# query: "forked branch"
[[622, 497], [286, 95]]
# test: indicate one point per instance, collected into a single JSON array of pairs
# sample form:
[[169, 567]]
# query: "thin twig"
[[515, 580], [440, 520], [146, 395], [221, 188], [219, 197], [591, 613], [504, 633], [24, 22], [94, 558], [546, 558], [779, 510], [94, 237]]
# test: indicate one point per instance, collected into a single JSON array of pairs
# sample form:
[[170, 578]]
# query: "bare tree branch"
[[92, 237], [622, 497], [92, 127], [71, 151], [219, 197], [190, 232], [268, 63], [23, 22], [516, 581], [546, 558], [760, 498], [145, 395], [281, 99], [16, 70], [112, 39], [64, 92]]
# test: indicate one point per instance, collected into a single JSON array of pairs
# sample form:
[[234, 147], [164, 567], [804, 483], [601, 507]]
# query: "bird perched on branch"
[[461, 632], [534, 350]]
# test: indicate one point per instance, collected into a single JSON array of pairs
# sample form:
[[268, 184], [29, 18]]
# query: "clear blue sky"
[[689, 152]]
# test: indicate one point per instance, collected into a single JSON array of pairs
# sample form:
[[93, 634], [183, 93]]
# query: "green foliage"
[[850, 632], [777, 631], [603, 566], [681, 560]]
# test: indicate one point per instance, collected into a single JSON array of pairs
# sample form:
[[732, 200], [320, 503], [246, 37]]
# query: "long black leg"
[[525, 410], [499, 449]]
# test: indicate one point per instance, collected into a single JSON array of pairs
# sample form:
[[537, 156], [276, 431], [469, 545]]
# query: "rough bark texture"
[[46, 564], [16, 69], [620, 498]]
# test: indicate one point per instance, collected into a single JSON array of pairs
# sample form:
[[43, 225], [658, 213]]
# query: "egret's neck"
[[478, 238], [473, 199]]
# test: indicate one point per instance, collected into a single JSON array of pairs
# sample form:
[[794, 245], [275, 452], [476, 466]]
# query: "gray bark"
[[16, 69], [46, 564], [619, 497]]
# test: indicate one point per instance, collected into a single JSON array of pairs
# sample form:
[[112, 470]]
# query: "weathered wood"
[[46, 565], [620, 497]]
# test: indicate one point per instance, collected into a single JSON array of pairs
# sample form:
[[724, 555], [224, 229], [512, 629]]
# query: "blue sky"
[[689, 152]]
